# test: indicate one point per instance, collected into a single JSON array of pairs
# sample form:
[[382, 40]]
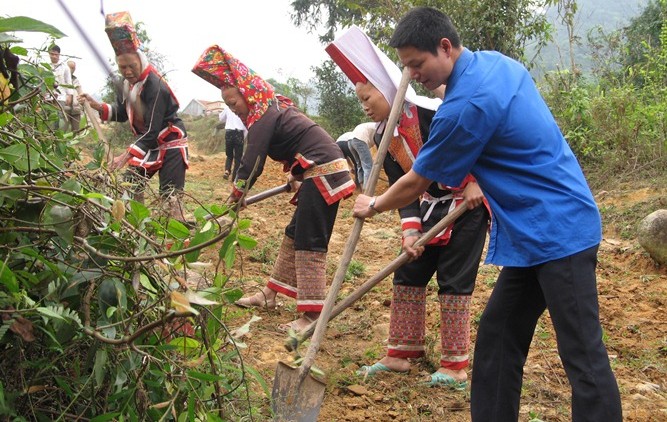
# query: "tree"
[[643, 32], [281, 88], [339, 108], [301, 93], [567, 12], [507, 26], [633, 52]]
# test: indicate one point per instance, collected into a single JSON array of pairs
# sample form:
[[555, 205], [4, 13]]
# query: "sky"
[[258, 32]]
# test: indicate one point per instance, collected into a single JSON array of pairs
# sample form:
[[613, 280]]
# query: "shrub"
[[101, 316]]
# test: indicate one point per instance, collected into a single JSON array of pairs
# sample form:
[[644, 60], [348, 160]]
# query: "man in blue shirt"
[[546, 227]]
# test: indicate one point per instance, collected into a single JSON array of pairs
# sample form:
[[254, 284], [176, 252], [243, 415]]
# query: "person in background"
[[235, 132], [64, 94], [453, 255], [545, 229], [360, 146], [74, 112], [147, 102], [343, 143], [278, 130]]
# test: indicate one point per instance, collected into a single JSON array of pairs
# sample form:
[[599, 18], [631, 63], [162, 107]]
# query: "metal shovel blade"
[[294, 399]]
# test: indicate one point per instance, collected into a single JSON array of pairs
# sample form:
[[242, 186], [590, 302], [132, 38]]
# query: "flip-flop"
[[438, 379], [371, 370]]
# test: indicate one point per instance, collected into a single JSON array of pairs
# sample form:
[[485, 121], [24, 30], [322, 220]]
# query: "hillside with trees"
[[591, 17]]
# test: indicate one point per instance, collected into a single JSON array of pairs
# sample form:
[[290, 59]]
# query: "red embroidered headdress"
[[120, 30], [223, 70]]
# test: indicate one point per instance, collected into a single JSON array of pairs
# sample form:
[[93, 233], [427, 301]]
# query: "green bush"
[[616, 124], [99, 316]]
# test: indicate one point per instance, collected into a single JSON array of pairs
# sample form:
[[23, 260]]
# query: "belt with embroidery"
[[336, 166]]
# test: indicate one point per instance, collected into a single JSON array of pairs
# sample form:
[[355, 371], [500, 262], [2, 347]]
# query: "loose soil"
[[632, 295]]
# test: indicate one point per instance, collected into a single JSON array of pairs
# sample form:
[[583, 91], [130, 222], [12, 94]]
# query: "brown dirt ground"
[[632, 288]]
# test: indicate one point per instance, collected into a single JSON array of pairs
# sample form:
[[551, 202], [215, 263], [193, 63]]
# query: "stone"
[[358, 390], [647, 387], [652, 235]]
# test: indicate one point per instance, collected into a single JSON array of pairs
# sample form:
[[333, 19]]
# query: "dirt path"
[[633, 294]]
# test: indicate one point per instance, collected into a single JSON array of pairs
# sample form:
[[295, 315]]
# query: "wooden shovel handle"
[[93, 118], [259, 197], [267, 194], [360, 291]]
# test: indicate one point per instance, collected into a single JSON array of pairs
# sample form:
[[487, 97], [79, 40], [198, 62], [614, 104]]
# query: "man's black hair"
[[54, 47], [423, 28]]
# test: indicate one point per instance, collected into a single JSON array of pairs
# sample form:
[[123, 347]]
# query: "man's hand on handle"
[[473, 195], [119, 161], [361, 207]]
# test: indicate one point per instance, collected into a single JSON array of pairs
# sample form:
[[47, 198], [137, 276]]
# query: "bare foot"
[[259, 299], [301, 323]]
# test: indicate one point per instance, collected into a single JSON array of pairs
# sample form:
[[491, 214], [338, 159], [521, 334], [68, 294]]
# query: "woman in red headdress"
[[150, 106], [278, 130]]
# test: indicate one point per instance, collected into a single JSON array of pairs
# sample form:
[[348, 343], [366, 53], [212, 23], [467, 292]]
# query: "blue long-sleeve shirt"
[[495, 125]]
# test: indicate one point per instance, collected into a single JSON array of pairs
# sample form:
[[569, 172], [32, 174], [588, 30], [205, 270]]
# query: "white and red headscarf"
[[361, 61]]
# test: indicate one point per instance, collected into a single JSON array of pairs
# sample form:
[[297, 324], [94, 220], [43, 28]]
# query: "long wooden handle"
[[259, 197], [360, 291], [93, 118], [267, 194], [350, 246]]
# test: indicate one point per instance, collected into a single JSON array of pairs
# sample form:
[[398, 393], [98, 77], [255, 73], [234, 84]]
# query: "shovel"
[[296, 394], [292, 343]]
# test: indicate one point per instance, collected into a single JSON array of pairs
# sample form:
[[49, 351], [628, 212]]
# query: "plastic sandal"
[[371, 370], [438, 379]]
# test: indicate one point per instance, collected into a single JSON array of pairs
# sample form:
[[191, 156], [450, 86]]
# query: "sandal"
[[438, 379], [372, 370], [256, 301]]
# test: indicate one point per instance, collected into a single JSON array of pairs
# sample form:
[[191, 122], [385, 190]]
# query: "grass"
[[386, 234], [266, 252], [354, 270], [488, 274], [625, 220], [374, 352], [534, 417], [342, 378], [200, 133]]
